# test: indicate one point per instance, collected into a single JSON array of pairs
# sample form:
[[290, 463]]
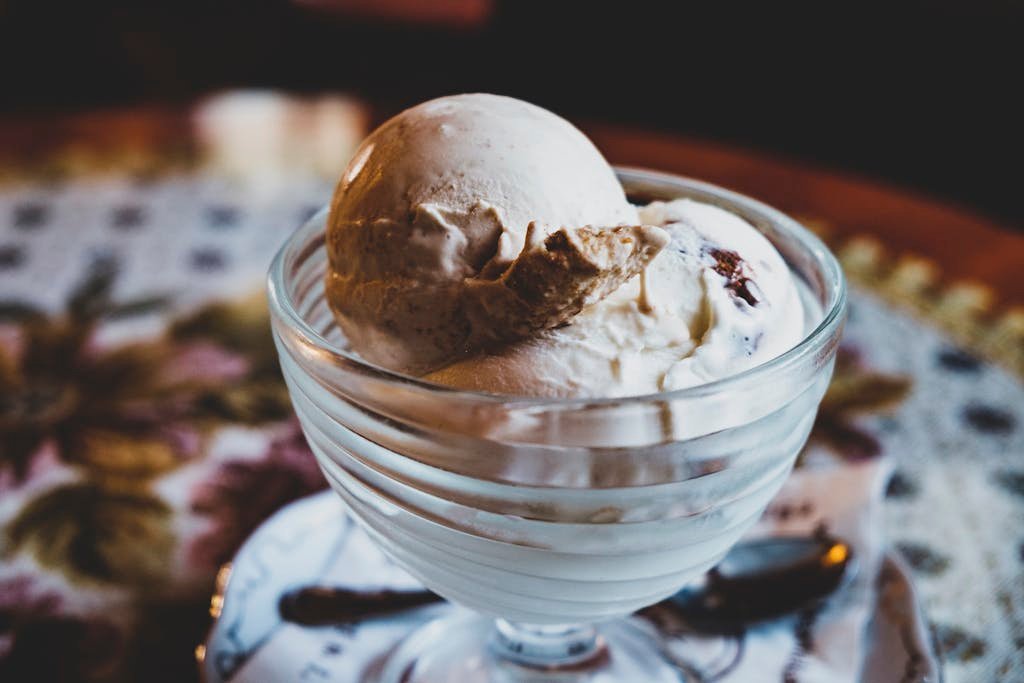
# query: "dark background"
[[920, 94]]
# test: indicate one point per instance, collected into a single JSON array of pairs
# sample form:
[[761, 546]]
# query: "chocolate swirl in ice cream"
[[733, 268]]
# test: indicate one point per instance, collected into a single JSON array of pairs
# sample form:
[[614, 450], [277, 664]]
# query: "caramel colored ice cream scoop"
[[442, 195]]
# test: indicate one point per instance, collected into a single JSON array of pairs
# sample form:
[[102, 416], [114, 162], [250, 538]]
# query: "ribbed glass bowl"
[[551, 515]]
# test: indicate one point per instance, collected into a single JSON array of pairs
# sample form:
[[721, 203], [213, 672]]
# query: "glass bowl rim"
[[282, 305]]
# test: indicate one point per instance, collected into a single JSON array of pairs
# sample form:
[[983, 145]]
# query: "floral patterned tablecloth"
[[145, 430]]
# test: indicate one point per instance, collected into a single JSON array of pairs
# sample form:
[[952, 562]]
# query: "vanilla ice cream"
[[717, 300], [484, 243]]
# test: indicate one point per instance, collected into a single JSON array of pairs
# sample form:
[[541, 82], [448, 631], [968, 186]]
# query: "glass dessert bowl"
[[553, 519]]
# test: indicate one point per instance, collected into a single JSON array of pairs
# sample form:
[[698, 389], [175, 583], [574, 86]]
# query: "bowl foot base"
[[465, 647]]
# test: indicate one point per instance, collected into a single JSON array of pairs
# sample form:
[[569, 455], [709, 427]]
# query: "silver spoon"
[[758, 580]]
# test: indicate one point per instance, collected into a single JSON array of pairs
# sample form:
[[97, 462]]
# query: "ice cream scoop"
[[442, 195], [484, 243]]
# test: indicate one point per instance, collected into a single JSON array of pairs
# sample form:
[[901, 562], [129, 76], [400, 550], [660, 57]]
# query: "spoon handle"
[[757, 580], [322, 605]]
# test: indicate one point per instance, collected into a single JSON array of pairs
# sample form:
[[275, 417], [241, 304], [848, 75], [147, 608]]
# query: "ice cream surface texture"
[[441, 197], [484, 243]]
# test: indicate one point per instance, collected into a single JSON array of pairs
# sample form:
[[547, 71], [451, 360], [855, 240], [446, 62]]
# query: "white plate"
[[302, 542]]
